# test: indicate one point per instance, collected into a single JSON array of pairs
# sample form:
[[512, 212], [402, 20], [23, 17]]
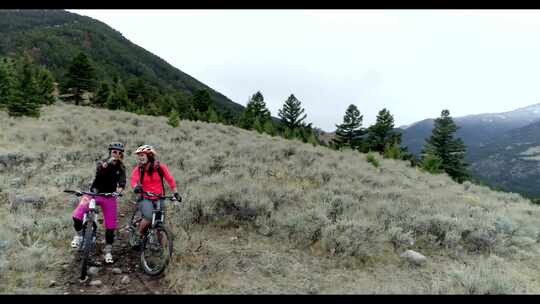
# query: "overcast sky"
[[412, 62]]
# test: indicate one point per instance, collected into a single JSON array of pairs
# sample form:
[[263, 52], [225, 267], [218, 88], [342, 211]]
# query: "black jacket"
[[107, 179]]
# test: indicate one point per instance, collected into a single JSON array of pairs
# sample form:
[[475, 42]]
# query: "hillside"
[[54, 37], [511, 161], [320, 221]]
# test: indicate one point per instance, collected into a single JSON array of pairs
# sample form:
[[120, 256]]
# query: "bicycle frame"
[[92, 211], [156, 209]]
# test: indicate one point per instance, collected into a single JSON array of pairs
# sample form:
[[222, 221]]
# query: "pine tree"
[[213, 115], [246, 120], [131, 106], [45, 84], [102, 94], [258, 126], [7, 82], [228, 117], [381, 134], [120, 98], [202, 101], [139, 102], [136, 86], [291, 112], [184, 105], [255, 110], [349, 133], [450, 150], [269, 128], [81, 76], [165, 104], [152, 109], [26, 99]]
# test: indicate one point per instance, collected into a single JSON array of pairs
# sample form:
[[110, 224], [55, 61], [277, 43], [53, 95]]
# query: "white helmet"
[[147, 149]]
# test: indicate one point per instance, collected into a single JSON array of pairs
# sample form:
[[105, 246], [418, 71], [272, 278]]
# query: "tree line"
[[441, 153], [25, 86]]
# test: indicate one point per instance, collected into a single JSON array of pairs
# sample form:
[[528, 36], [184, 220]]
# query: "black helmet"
[[116, 146]]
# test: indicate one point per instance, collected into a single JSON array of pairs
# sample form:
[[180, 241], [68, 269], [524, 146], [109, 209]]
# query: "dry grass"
[[267, 215]]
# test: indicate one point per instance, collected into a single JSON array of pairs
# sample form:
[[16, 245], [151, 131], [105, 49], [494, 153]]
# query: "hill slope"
[[511, 161], [55, 37], [261, 214]]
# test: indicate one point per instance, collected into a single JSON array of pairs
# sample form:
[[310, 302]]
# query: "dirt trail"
[[125, 259]]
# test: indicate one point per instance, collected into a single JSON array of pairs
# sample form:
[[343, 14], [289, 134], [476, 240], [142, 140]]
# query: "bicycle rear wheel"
[[156, 250], [87, 247]]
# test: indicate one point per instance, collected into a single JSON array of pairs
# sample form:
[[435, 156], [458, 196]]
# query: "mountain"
[[54, 37], [475, 130], [500, 146], [511, 161], [260, 215]]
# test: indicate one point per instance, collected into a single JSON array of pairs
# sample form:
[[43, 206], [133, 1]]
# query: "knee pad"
[[77, 224], [109, 236]]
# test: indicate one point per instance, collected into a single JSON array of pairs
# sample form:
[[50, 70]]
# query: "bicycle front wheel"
[[156, 250], [87, 247], [133, 225]]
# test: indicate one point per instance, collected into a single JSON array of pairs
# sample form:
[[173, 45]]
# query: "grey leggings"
[[145, 206]]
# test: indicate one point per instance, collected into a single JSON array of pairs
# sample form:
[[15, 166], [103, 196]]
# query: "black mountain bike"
[[156, 247], [87, 248]]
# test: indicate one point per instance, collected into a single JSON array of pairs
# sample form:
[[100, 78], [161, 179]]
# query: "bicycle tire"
[[165, 258], [87, 247]]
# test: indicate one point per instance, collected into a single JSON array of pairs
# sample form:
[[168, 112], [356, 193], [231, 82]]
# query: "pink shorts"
[[108, 205]]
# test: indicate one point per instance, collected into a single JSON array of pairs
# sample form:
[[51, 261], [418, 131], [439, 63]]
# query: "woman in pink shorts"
[[110, 177]]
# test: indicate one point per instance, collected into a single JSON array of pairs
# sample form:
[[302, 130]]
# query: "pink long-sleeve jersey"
[[152, 183]]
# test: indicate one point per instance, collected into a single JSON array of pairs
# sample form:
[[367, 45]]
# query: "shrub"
[[392, 151], [432, 164], [484, 277], [370, 157], [481, 240], [350, 238], [217, 162], [174, 119], [400, 238], [305, 228]]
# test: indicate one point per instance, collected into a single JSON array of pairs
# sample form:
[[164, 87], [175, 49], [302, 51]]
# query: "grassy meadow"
[[263, 214]]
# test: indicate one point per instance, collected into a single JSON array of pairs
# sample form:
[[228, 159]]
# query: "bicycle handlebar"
[[80, 193], [171, 197]]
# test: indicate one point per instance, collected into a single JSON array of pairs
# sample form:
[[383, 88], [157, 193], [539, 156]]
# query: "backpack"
[[160, 172]]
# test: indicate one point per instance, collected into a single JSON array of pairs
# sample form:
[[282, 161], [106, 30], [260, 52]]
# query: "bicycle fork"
[[90, 215], [156, 211]]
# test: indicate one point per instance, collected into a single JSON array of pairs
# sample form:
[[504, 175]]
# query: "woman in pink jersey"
[[148, 170]]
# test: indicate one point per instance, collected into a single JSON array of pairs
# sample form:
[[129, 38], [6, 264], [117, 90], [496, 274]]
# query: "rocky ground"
[[124, 276]]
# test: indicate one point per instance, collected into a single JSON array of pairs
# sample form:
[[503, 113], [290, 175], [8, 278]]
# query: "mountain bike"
[[156, 246], [87, 248]]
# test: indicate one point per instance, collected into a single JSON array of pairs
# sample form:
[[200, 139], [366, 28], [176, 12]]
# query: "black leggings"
[[109, 233]]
